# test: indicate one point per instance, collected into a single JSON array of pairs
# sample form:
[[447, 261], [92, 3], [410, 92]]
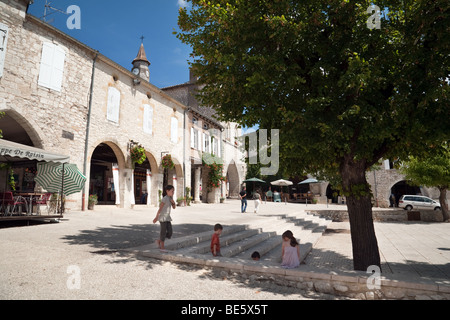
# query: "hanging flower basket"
[[167, 162], [215, 175], [138, 154]]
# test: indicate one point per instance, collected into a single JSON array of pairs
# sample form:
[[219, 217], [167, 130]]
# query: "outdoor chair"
[[42, 201], [276, 197], [8, 201]]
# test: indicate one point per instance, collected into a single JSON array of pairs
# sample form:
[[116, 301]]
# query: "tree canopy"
[[343, 95]]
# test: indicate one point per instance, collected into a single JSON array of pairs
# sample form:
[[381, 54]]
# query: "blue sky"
[[114, 28]]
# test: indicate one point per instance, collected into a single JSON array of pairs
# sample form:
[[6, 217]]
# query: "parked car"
[[409, 202]]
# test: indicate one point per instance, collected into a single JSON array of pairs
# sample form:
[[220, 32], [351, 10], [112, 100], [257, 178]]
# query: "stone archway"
[[174, 176], [401, 188], [106, 161], [17, 128]]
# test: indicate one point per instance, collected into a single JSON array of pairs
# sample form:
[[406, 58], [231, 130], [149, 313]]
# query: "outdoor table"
[[28, 196]]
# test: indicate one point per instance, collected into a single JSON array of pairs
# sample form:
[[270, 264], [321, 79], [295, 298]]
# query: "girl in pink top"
[[290, 251]]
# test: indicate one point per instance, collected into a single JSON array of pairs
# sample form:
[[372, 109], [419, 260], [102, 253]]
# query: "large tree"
[[342, 94]]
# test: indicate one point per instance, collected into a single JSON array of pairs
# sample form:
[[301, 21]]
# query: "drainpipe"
[[184, 149], [86, 143]]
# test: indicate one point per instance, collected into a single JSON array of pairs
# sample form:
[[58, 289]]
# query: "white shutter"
[[3, 42], [192, 138], [174, 130], [199, 140], [213, 145], [148, 119], [52, 66], [113, 108], [219, 148], [45, 73], [206, 142], [58, 68], [201, 137]]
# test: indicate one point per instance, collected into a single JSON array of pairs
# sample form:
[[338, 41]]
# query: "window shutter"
[[52, 66], [148, 119], [113, 108], [59, 56], [3, 42], [45, 74], [192, 138], [174, 130]]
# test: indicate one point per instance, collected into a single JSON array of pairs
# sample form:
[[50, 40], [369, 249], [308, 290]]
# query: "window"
[[113, 108], [174, 130], [52, 66], [194, 120], [3, 42], [148, 119], [194, 138], [206, 143]]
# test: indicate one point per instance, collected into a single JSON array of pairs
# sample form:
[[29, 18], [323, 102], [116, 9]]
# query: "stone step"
[[225, 240], [244, 245], [263, 248], [194, 239]]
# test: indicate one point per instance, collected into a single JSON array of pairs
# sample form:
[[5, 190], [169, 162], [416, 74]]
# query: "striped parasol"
[[49, 176]]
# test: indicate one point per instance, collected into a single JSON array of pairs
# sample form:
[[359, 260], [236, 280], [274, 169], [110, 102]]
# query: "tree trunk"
[[359, 205], [443, 202]]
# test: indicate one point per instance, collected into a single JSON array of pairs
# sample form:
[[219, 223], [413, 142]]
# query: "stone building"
[[384, 182], [212, 136], [62, 96]]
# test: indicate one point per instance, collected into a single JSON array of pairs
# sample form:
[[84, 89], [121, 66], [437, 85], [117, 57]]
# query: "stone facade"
[[382, 182], [202, 122], [81, 103]]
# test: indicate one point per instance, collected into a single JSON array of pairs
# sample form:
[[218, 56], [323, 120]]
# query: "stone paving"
[[35, 259]]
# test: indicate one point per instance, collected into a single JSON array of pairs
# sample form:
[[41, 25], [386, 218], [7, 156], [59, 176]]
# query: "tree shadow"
[[114, 240]]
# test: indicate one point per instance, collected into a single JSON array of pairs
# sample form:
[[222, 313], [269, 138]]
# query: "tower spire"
[[141, 63]]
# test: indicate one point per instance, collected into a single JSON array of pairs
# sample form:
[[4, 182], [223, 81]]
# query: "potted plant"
[[222, 199], [181, 201], [93, 200], [188, 196]]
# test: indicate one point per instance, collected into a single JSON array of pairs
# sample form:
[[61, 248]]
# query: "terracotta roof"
[[141, 56]]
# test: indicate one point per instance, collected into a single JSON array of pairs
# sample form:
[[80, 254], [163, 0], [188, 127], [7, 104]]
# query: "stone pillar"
[[127, 189], [197, 177]]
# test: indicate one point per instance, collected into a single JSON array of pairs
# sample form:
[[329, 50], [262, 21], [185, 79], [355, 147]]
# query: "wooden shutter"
[[52, 66], [113, 108], [148, 119], [174, 130]]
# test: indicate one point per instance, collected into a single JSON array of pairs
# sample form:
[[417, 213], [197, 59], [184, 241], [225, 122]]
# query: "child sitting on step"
[[290, 251]]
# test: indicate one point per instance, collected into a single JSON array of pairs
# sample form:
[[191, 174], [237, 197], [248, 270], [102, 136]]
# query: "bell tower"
[[141, 64]]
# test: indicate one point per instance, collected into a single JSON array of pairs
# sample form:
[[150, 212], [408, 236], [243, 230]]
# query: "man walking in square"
[[243, 195]]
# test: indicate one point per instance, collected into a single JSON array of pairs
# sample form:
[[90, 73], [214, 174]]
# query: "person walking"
[[257, 198], [163, 216], [243, 195]]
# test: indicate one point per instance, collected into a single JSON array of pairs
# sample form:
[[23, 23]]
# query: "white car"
[[409, 202]]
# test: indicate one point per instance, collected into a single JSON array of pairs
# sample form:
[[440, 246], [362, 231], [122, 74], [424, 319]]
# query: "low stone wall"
[[383, 215], [352, 284]]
